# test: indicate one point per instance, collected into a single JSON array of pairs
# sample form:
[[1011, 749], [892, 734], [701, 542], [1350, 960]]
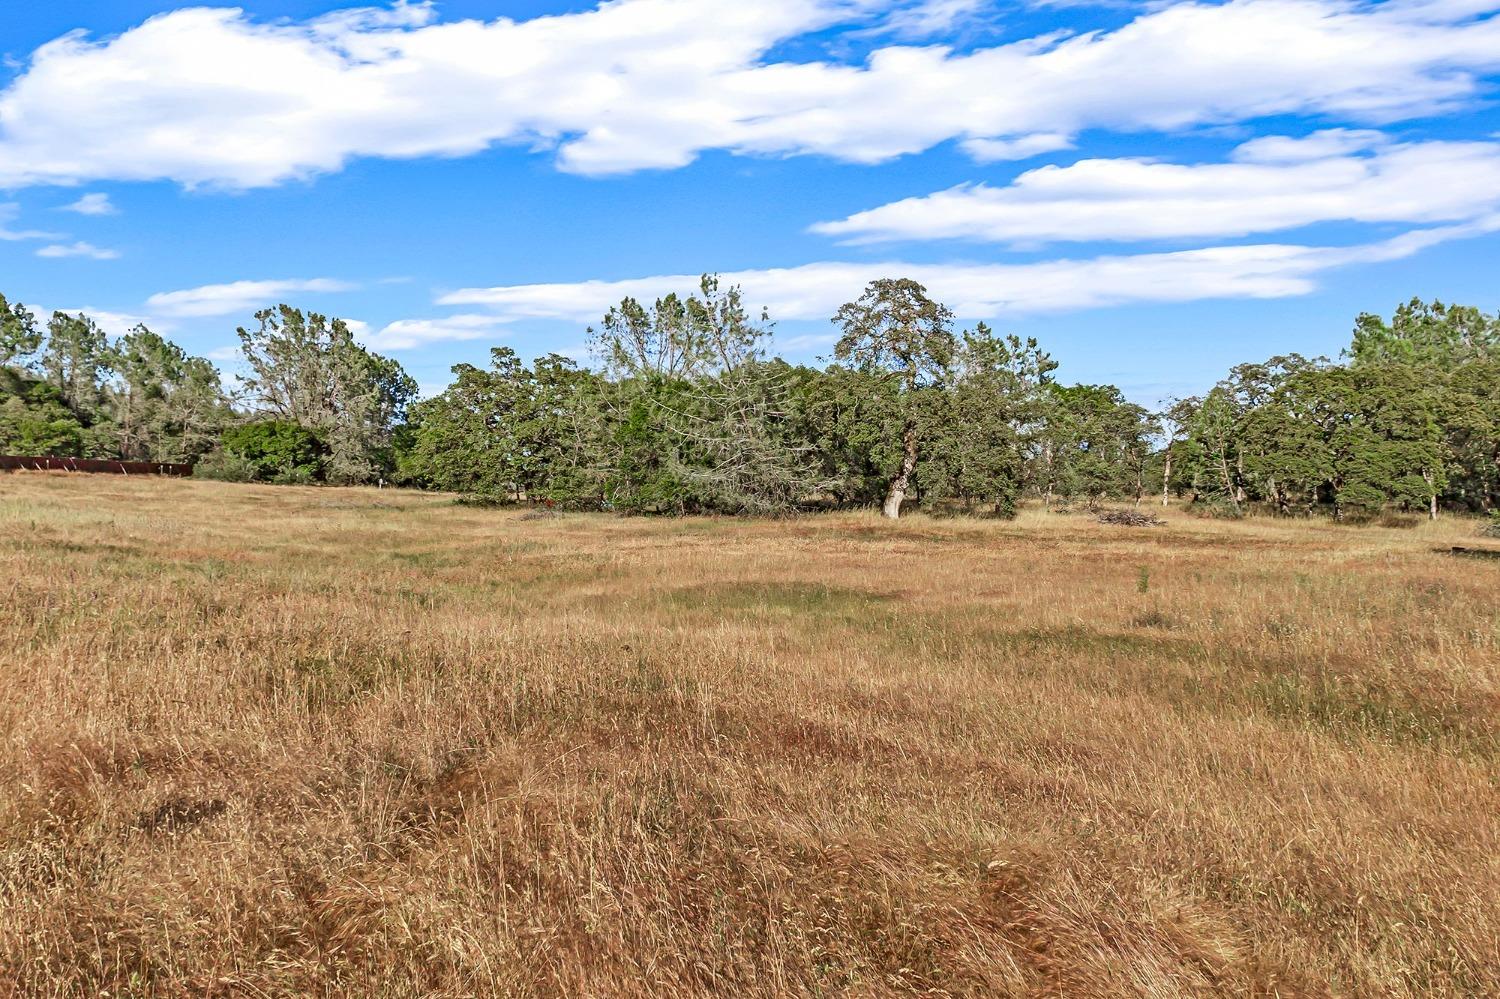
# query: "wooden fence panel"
[[98, 465]]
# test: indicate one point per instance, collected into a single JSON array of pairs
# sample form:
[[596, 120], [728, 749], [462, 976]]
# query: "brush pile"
[[1129, 518]]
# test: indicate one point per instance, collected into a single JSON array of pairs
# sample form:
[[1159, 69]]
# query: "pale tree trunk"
[[1229, 486], [897, 495], [1166, 477], [1432, 511]]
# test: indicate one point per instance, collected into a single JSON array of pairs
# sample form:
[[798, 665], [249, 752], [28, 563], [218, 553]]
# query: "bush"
[[294, 475], [278, 450], [1492, 529], [1216, 508], [224, 466]]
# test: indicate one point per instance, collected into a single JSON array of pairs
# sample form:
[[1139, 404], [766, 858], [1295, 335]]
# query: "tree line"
[[686, 410]]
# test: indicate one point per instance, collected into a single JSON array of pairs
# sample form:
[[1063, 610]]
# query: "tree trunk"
[[1432, 511], [897, 494], [1228, 483], [1166, 477]]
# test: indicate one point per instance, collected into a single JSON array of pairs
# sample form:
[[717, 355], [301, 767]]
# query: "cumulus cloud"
[[985, 291], [1272, 184], [213, 96], [92, 204], [78, 249], [237, 296]]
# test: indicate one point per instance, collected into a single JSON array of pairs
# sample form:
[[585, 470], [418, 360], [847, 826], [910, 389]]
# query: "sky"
[[1155, 191]]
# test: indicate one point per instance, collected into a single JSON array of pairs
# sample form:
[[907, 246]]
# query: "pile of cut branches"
[[1129, 518]]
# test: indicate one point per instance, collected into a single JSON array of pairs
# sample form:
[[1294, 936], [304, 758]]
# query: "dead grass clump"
[[180, 814]]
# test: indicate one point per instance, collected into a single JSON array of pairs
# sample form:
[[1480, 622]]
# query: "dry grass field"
[[286, 742]]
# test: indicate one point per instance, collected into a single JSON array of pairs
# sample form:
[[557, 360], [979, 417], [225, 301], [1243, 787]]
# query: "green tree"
[[278, 450], [895, 330], [700, 420], [167, 406], [75, 361], [310, 370], [468, 438], [34, 421], [981, 427], [851, 418], [19, 335], [1093, 445]]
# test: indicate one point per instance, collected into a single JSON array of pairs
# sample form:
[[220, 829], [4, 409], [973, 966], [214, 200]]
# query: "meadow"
[[281, 741]]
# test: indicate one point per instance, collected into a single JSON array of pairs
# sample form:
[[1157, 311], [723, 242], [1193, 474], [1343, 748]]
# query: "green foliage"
[[983, 426], [19, 335], [896, 332], [686, 412], [225, 466], [277, 450], [70, 391], [34, 421], [696, 419], [1092, 444], [167, 406], [309, 370]]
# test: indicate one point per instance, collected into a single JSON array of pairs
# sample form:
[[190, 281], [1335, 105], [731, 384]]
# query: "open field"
[[280, 741]]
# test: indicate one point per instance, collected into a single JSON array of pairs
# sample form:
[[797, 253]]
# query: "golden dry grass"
[[276, 741]]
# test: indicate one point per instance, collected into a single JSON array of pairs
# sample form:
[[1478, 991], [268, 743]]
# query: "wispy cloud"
[[78, 249], [409, 334], [1271, 184], [8, 213], [238, 296], [93, 204], [987, 291]]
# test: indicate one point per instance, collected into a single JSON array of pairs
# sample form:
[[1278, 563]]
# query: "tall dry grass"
[[276, 741]]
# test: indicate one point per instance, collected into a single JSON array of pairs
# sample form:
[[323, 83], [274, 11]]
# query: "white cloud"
[[237, 296], [92, 204], [1324, 144], [408, 334], [78, 249], [1273, 184], [983, 291], [212, 96], [8, 213], [118, 323], [928, 18], [1020, 148]]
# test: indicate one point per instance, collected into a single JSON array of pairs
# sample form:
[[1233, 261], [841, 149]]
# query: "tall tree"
[[75, 360], [981, 428], [701, 421], [310, 369], [167, 405], [895, 329], [19, 335]]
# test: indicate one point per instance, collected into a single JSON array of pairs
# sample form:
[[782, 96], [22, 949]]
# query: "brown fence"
[[106, 466]]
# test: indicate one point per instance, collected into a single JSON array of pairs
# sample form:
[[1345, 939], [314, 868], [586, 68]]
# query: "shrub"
[[294, 475], [1216, 508], [224, 466], [279, 450]]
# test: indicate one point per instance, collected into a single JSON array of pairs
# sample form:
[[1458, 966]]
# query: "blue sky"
[[1154, 191]]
